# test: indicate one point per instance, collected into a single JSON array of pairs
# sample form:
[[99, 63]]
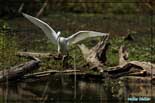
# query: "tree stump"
[[96, 56]]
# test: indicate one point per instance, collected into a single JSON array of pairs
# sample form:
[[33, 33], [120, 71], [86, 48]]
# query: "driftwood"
[[124, 68], [96, 56], [17, 72]]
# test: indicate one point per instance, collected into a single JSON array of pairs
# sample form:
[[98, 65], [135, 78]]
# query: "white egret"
[[62, 42]]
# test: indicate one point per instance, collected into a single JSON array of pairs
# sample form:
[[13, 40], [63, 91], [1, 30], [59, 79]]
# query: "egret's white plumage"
[[62, 42]]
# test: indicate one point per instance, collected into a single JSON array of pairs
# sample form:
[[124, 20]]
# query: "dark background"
[[11, 8]]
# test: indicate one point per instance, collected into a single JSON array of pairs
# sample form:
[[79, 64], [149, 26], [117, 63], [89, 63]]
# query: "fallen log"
[[130, 68], [96, 58], [126, 70], [32, 54], [49, 72], [147, 67], [17, 72], [39, 76]]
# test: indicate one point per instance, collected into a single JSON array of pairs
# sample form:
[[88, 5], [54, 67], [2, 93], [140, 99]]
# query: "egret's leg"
[[65, 61], [59, 55]]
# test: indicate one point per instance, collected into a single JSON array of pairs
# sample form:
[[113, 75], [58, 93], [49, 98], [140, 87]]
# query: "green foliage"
[[8, 48]]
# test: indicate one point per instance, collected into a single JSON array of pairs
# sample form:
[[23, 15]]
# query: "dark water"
[[64, 89]]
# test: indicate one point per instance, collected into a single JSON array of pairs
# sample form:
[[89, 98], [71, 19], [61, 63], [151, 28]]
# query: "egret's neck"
[[58, 38]]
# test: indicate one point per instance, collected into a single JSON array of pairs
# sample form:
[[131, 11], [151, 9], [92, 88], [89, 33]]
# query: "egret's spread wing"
[[50, 33], [81, 35]]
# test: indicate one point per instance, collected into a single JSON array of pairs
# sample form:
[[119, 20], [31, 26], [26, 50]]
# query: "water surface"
[[63, 89]]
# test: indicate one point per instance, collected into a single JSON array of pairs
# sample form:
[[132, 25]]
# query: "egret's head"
[[58, 33]]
